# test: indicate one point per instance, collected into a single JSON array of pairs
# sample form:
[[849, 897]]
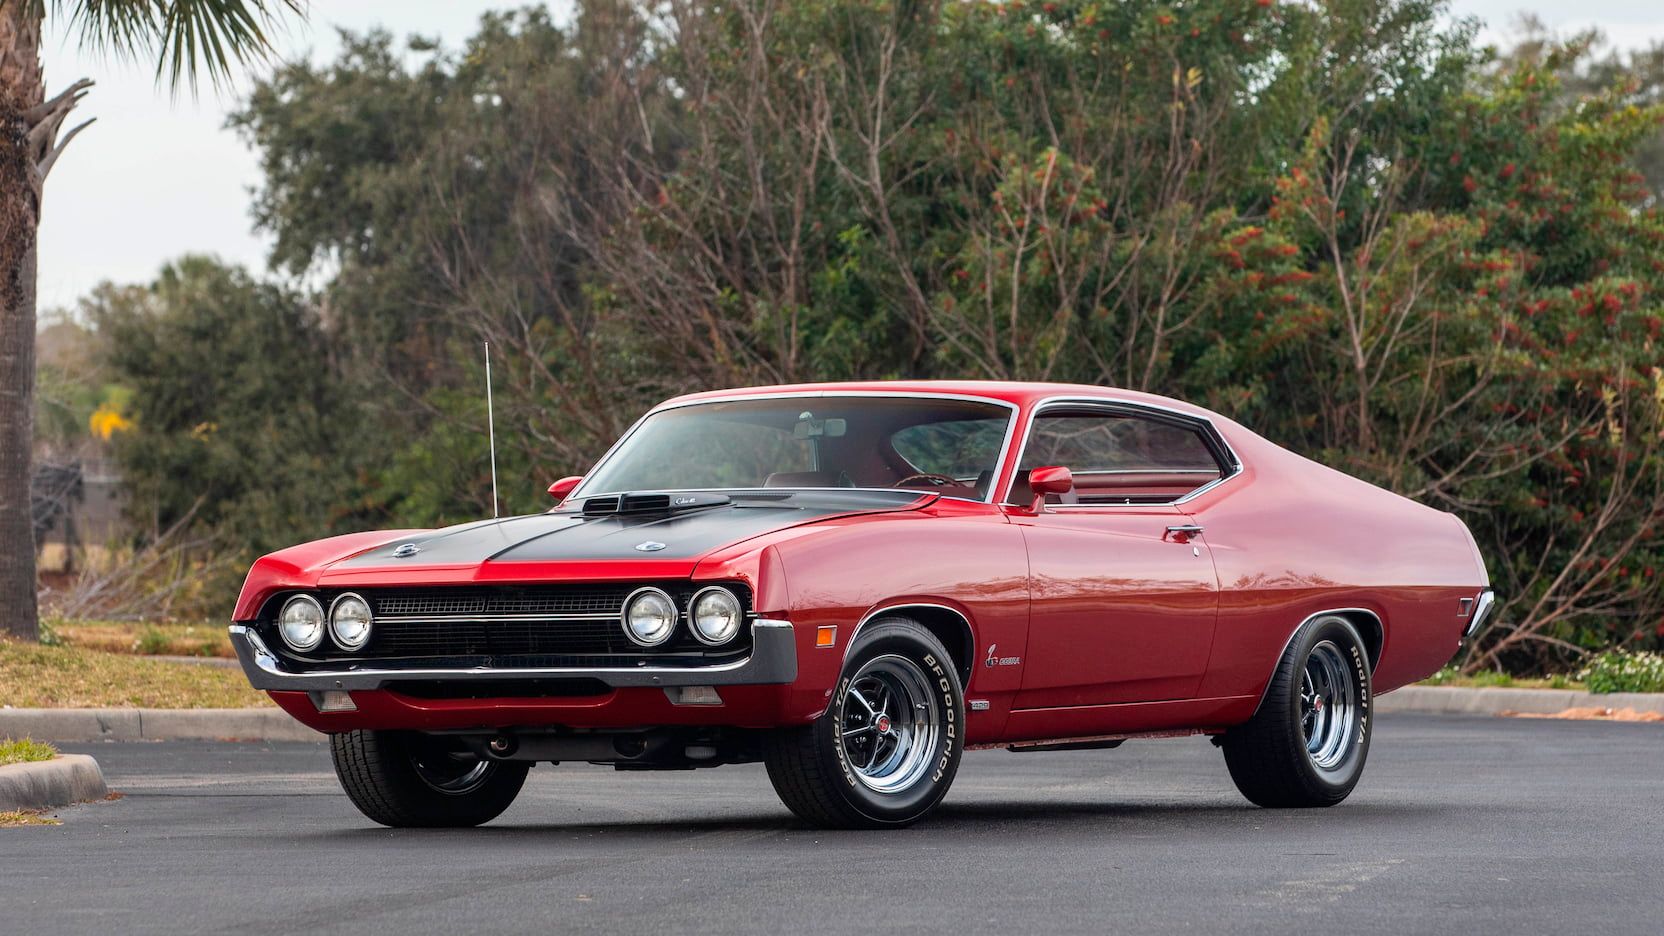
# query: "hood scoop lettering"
[[649, 503]]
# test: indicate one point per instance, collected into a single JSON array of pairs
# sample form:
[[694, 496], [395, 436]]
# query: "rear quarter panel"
[[1291, 538]]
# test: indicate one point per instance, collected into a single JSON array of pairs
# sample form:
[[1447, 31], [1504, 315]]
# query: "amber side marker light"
[[826, 636]]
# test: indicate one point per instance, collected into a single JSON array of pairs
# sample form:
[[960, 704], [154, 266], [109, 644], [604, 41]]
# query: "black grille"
[[513, 625], [543, 600]]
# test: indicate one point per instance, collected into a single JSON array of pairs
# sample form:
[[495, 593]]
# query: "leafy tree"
[[1340, 222], [238, 420], [182, 35]]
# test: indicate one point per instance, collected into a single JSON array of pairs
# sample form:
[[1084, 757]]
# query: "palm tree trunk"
[[22, 92]]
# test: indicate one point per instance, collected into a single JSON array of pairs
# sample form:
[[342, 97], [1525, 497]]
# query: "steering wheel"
[[936, 479]]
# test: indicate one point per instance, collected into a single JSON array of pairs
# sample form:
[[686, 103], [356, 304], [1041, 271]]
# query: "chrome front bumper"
[[773, 661]]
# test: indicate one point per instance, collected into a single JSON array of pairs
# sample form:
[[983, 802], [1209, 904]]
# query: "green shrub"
[[152, 642], [1622, 671]]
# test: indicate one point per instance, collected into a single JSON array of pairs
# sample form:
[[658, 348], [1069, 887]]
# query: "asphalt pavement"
[[1460, 825]]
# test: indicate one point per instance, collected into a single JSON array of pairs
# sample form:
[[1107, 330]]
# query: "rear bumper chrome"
[[773, 661], [1481, 610]]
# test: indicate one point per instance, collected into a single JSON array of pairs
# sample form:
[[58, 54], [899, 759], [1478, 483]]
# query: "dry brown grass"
[[36, 676], [173, 638], [23, 817]]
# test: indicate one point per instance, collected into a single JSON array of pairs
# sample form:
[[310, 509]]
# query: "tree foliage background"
[[1341, 223]]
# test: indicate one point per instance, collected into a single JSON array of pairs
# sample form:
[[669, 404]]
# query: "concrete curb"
[[65, 779], [1455, 700], [153, 725]]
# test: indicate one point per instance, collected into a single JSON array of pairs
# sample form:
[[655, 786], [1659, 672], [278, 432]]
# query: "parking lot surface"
[[1459, 826]]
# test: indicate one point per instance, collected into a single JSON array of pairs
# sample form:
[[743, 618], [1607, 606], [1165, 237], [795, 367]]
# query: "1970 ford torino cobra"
[[853, 583]]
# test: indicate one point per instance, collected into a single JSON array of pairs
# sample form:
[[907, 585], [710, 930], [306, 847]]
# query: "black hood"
[[571, 534]]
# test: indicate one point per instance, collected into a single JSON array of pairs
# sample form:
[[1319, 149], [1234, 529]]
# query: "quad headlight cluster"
[[302, 622], [650, 618], [714, 616]]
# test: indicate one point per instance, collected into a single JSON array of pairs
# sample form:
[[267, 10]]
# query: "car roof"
[[1018, 393]]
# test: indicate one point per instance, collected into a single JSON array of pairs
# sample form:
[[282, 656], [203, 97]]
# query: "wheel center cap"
[[883, 724], [1317, 704]]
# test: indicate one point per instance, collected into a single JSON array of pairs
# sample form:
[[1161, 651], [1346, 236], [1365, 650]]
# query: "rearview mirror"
[[808, 427], [563, 487]]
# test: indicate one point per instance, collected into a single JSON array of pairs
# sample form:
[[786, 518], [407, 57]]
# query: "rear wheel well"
[[1369, 628], [948, 626]]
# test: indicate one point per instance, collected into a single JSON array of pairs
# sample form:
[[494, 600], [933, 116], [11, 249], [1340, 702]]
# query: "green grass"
[[24, 750], [1490, 679], [38, 676]]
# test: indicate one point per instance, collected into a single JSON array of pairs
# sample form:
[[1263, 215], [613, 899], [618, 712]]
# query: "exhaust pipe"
[[502, 746]]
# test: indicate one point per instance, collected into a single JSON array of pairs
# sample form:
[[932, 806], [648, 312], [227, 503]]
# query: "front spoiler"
[[773, 661]]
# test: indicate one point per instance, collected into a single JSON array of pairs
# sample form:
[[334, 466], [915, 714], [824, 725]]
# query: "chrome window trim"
[[1015, 413], [1204, 422]]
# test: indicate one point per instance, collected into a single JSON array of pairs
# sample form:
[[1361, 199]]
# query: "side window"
[[1118, 458]]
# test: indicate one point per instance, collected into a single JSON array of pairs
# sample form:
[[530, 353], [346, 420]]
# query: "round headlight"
[[301, 623], [349, 621], [649, 617], [716, 615]]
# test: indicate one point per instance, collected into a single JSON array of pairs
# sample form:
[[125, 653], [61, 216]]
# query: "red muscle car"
[[853, 583]]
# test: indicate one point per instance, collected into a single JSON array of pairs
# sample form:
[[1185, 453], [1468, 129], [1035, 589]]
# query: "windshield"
[[947, 446]]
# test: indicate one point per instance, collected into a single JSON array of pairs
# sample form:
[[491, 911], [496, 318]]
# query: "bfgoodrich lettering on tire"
[[1307, 744], [886, 750]]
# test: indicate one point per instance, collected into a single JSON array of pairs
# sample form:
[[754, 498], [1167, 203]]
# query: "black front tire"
[[820, 775], [1307, 744], [405, 779]]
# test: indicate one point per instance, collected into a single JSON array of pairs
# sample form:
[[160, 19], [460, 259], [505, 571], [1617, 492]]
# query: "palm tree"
[[182, 36]]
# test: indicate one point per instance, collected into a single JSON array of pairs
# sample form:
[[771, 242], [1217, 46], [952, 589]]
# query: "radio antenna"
[[491, 429]]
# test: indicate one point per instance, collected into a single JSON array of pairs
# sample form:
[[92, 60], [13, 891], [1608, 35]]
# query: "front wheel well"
[[948, 626]]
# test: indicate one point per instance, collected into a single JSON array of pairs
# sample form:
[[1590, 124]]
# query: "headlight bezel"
[[673, 616], [693, 615], [369, 622], [283, 625]]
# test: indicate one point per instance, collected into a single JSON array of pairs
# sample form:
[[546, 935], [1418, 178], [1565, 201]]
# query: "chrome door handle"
[[1185, 530]]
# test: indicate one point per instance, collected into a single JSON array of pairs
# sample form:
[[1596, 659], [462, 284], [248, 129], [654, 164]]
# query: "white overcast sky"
[[158, 176]]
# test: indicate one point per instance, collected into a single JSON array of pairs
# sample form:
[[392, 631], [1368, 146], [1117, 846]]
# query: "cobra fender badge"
[[649, 546], [996, 660], [406, 551]]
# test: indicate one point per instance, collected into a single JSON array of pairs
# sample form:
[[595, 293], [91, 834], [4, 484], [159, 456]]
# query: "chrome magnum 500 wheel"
[[1307, 744], [885, 751], [402, 778]]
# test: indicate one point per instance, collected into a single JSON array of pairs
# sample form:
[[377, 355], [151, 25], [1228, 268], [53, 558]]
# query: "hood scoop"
[[650, 503]]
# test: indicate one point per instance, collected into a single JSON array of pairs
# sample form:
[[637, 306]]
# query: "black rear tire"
[[852, 768], [406, 779], [1307, 744]]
